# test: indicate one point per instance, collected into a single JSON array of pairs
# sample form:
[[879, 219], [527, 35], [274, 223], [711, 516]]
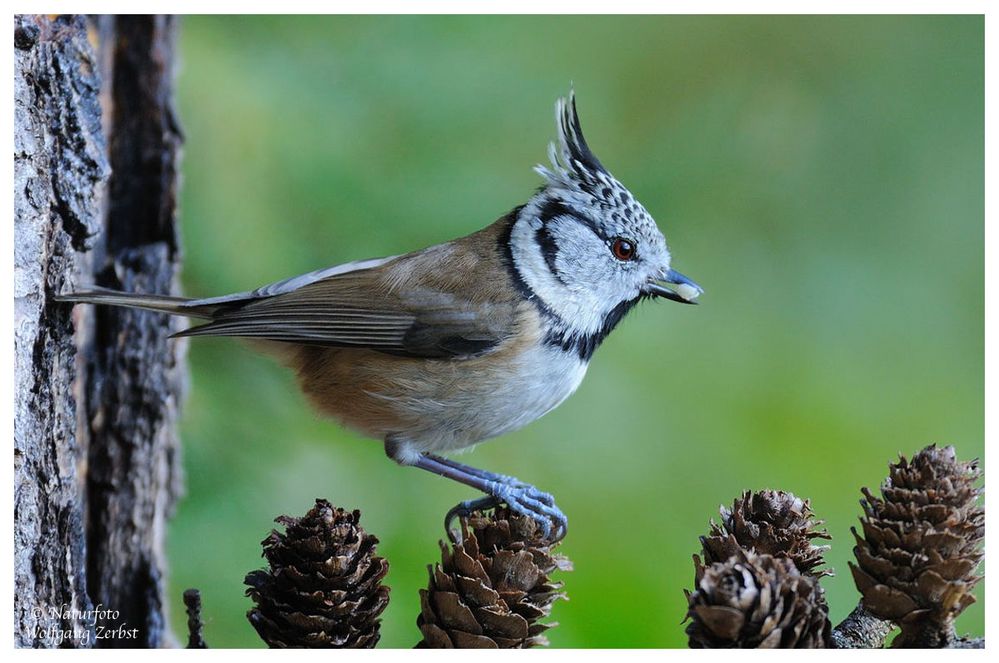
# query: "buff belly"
[[438, 405]]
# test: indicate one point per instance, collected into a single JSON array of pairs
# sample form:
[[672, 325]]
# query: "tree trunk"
[[96, 468]]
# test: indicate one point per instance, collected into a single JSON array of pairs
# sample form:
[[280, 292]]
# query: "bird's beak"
[[686, 290]]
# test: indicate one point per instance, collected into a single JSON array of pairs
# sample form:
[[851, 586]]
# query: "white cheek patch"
[[581, 310]]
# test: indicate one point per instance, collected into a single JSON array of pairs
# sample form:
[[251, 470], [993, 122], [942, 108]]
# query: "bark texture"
[[861, 630], [95, 450]]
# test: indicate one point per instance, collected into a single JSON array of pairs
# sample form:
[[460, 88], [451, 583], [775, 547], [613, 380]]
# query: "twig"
[[861, 630], [942, 636], [195, 627]]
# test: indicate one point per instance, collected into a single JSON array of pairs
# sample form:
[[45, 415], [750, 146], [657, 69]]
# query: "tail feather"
[[160, 303]]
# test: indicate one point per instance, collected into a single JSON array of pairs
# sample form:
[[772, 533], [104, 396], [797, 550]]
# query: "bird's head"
[[586, 248]]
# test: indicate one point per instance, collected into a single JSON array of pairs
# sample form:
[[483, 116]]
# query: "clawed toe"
[[465, 509], [544, 498], [520, 497], [550, 519], [525, 500]]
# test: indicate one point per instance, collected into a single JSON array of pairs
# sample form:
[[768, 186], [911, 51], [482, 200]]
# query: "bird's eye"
[[623, 249]]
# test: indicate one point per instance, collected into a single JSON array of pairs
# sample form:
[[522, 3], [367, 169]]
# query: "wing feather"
[[394, 305]]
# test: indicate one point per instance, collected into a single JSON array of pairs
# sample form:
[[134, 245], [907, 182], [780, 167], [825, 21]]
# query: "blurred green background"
[[821, 177]]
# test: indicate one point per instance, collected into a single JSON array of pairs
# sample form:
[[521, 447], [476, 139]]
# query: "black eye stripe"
[[549, 248], [589, 223], [546, 241], [553, 209]]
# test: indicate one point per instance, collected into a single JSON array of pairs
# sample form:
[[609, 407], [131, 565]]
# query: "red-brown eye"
[[623, 249]]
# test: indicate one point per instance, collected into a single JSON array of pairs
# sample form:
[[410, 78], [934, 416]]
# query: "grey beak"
[[686, 290]]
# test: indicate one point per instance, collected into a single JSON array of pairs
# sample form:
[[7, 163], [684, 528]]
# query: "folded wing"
[[374, 305]]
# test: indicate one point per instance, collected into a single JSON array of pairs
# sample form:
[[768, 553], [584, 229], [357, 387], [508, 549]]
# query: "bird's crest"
[[574, 168]]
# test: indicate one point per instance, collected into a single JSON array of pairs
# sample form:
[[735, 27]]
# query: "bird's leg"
[[522, 498], [513, 482]]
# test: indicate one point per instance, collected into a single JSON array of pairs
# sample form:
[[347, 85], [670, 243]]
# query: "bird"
[[434, 351]]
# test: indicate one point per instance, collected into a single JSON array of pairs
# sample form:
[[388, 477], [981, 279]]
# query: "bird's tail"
[[160, 303]]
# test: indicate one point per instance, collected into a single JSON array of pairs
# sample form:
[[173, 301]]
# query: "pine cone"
[[491, 590], [769, 522], [755, 601], [323, 588], [917, 559]]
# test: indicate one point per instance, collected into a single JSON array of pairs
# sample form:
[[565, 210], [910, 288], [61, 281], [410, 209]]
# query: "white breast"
[[497, 401], [546, 377]]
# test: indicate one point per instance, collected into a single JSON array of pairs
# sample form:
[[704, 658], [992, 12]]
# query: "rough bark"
[[861, 630], [95, 458], [133, 376], [59, 165]]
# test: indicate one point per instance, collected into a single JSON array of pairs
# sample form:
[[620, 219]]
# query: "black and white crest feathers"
[[575, 152], [575, 172]]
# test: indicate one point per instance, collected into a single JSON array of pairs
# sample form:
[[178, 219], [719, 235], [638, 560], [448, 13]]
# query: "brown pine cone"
[[755, 601], [769, 522], [492, 589], [323, 587], [920, 550]]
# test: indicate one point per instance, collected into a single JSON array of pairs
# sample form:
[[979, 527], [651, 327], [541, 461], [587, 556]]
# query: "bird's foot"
[[521, 498], [515, 484]]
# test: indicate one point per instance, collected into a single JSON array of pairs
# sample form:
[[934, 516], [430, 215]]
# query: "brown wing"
[[419, 305]]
